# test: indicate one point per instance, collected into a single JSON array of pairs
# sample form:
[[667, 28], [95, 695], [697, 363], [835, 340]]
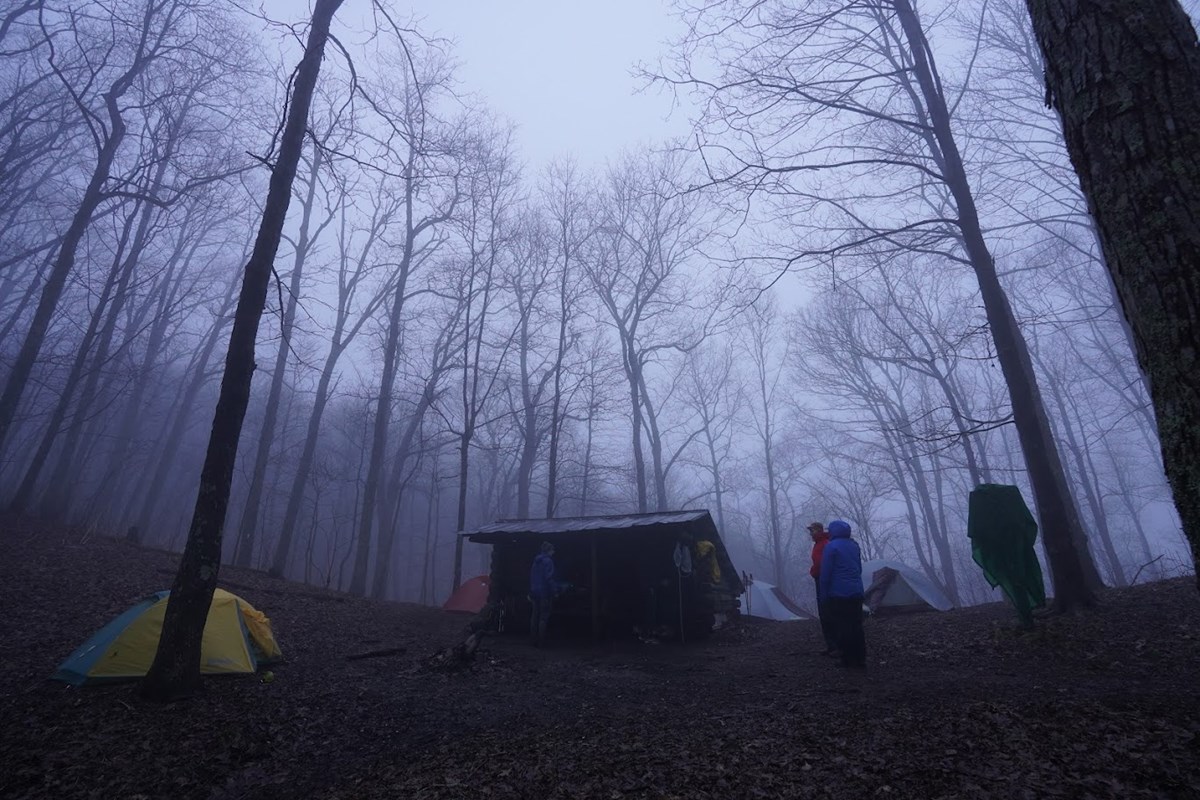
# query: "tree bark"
[[1072, 568], [1124, 76], [176, 667]]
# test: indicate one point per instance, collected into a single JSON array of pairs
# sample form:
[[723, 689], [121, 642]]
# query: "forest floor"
[[958, 705]]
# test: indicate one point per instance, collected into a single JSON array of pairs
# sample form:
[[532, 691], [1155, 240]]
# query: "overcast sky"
[[559, 69]]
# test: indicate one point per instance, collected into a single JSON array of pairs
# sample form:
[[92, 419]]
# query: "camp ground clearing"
[[955, 705]]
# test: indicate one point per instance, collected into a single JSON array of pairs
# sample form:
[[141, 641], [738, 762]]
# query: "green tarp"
[[1003, 533]]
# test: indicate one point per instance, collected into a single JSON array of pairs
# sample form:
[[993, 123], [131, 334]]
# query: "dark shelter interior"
[[646, 575]]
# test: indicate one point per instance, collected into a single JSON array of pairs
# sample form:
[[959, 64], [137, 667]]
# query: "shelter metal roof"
[[505, 528]]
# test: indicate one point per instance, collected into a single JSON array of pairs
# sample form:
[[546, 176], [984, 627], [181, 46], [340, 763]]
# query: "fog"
[[549, 262]]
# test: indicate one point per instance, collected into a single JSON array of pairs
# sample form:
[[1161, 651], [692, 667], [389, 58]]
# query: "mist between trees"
[[865, 284]]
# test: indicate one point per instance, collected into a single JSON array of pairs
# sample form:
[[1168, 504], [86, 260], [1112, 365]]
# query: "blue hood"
[[839, 529]]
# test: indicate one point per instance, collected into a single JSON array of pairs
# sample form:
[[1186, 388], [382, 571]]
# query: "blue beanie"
[[839, 529]]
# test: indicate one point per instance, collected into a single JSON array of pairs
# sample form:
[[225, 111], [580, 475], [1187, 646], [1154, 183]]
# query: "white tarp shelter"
[[762, 600], [907, 589]]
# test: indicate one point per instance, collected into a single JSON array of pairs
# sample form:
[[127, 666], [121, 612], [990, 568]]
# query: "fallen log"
[[387, 651], [456, 657]]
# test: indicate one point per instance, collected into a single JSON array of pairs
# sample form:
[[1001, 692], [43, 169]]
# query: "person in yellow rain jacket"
[[706, 559]]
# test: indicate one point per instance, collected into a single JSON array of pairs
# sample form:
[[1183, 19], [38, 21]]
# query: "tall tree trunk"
[[556, 420], [383, 409], [60, 491], [339, 341], [176, 667], [93, 195], [291, 516], [25, 491], [169, 451], [1085, 477], [116, 481], [1071, 565], [379, 437], [635, 411], [262, 457], [464, 445], [715, 466], [1126, 494], [1124, 76], [430, 517], [529, 423], [387, 539], [587, 451]]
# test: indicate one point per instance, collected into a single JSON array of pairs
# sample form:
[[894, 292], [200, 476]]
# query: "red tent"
[[470, 597]]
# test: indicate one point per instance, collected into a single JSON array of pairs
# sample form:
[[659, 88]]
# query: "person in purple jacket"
[[841, 589], [544, 586]]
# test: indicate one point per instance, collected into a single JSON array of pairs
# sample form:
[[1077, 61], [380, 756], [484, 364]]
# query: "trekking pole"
[[679, 583]]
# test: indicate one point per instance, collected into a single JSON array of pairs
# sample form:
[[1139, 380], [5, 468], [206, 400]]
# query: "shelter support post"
[[595, 590]]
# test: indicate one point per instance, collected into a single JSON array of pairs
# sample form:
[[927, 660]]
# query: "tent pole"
[[595, 592]]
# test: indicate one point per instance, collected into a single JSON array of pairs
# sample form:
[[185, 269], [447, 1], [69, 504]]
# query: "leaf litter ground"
[[957, 705]]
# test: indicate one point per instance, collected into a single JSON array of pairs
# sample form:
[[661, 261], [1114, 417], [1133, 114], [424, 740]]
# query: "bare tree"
[[867, 88], [563, 194], [716, 399], [648, 236], [424, 163], [302, 247], [156, 31], [492, 187], [176, 667], [768, 354]]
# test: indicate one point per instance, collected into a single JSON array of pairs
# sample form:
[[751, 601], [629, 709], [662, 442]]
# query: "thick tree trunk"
[[1072, 568], [176, 667], [1124, 76]]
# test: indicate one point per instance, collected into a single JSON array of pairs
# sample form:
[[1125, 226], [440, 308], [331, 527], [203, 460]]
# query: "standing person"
[[820, 538], [544, 586], [841, 590]]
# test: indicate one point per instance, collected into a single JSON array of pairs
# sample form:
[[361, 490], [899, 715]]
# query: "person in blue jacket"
[[544, 586], [841, 589]]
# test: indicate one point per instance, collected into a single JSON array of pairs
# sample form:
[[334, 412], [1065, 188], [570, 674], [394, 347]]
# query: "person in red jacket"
[[820, 538]]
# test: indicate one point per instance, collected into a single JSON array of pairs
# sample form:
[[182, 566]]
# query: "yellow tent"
[[237, 639]]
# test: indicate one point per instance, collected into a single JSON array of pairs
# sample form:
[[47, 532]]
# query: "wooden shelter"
[[623, 573]]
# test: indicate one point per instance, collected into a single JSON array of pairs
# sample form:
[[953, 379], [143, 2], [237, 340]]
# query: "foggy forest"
[[777, 319], [860, 280]]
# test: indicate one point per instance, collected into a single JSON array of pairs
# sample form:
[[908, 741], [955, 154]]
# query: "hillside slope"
[[954, 705]]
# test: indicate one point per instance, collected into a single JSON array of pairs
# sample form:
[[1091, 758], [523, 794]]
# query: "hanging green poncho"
[[1003, 533]]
